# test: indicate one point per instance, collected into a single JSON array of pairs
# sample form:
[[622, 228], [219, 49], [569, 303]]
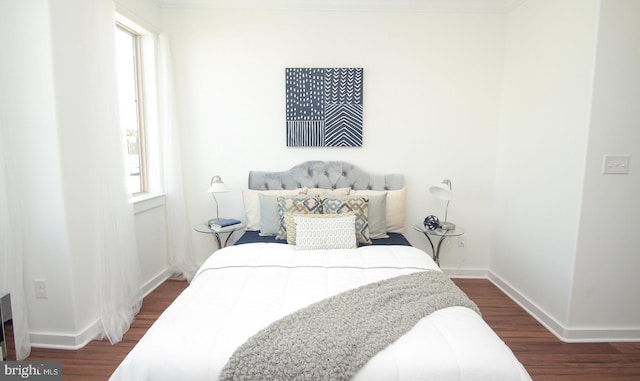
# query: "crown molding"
[[480, 6]]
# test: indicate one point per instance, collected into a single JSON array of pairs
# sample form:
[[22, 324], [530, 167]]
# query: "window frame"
[[140, 105]]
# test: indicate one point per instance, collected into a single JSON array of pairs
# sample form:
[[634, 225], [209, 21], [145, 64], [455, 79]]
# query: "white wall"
[[568, 99], [151, 238], [606, 282], [431, 95], [542, 148]]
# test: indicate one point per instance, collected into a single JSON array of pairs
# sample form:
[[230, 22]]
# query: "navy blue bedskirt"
[[254, 236]]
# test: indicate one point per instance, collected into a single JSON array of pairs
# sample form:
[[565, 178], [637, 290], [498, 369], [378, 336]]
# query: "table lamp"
[[442, 191], [217, 186]]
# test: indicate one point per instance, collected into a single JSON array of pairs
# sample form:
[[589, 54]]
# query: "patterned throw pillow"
[[358, 205], [324, 232], [290, 222], [296, 204], [377, 213]]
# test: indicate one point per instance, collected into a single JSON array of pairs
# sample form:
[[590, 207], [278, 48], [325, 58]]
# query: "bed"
[[307, 305]]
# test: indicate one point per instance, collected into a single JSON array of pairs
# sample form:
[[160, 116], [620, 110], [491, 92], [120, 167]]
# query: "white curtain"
[[12, 200], [110, 213], [120, 280], [11, 274], [181, 258]]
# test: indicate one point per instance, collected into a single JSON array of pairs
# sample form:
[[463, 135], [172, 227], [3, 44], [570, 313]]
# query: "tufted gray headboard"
[[324, 174]]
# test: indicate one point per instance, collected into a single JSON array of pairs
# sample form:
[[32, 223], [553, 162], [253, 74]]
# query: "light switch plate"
[[615, 164]]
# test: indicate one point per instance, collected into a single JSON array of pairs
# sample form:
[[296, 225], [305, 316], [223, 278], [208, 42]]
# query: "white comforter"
[[241, 289]]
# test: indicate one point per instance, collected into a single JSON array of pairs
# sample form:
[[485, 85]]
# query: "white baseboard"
[[466, 273], [536, 312], [156, 281], [93, 331], [566, 334], [597, 335], [69, 342]]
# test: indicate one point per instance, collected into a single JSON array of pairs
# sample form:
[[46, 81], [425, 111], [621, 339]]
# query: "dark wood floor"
[[544, 356]]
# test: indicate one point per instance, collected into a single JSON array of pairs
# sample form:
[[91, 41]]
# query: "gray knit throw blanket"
[[332, 339]]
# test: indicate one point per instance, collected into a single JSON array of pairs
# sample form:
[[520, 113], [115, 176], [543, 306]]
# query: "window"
[[129, 69]]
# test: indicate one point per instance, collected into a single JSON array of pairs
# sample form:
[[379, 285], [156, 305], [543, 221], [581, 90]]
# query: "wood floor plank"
[[544, 356]]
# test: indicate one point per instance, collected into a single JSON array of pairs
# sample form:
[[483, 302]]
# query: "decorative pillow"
[[322, 192], [252, 203], [269, 217], [377, 214], [296, 204], [395, 213], [358, 205], [325, 232], [289, 220]]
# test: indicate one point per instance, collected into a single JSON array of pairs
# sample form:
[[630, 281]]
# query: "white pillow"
[[251, 202], [325, 233], [395, 212], [329, 192]]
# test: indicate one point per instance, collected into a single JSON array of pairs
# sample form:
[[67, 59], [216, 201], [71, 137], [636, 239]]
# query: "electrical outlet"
[[462, 241], [40, 288]]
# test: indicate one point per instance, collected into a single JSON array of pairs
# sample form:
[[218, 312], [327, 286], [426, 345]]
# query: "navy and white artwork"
[[324, 107]]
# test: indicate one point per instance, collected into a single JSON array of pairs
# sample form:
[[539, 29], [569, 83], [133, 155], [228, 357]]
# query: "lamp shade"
[[442, 190], [217, 186]]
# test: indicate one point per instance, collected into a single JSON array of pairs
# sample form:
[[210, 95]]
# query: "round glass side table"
[[442, 234], [204, 228]]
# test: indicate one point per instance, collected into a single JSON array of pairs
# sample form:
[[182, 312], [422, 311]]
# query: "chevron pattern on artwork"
[[343, 125], [324, 107], [343, 86]]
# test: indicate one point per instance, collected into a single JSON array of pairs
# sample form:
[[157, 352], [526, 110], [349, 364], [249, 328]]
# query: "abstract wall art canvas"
[[324, 107]]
